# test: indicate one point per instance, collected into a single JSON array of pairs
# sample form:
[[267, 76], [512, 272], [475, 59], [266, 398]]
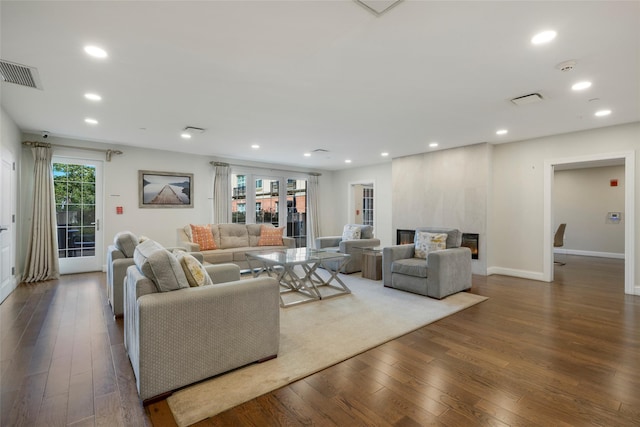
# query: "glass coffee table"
[[306, 282]]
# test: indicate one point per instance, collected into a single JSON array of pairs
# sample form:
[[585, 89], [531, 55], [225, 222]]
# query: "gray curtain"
[[42, 250], [313, 204], [221, 193]]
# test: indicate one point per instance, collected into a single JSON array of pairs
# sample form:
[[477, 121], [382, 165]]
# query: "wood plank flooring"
[[561, 354]]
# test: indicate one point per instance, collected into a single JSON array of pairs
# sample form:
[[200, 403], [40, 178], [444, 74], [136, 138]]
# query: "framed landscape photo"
[[165, 189]]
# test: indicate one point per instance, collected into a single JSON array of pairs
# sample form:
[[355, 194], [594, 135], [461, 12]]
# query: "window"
[[271, 205], [367, 206]]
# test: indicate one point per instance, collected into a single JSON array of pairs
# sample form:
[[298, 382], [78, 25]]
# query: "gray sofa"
[[351, 247], [442, 273], [232, 242], [119, 258], [176, 335]]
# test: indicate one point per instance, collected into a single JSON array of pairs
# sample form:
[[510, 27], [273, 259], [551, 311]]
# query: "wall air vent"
[[20, 74], [532, 98]]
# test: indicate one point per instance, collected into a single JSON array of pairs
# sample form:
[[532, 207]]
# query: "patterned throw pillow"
[[429, 242], [195, 272], [271, 236], [202, 235], [351, 232]]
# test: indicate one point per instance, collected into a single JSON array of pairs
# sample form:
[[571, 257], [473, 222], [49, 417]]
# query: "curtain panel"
[[221, 193], [313, 204], [42, 248]]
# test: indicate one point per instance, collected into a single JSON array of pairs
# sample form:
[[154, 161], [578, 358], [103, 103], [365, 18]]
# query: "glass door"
[[78, 193]]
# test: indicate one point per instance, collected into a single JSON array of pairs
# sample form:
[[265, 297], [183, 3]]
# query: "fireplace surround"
[[469, 240]]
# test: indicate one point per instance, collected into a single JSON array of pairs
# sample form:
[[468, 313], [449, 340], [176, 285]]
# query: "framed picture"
[[165, 189]]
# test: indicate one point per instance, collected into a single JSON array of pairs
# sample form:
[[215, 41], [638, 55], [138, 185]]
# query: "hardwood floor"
[[565, 353]]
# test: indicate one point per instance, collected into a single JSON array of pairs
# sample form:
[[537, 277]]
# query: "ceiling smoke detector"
[[566, 66], [532, 98]]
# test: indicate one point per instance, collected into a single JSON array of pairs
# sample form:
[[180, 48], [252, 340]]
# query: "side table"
[[372, 262]]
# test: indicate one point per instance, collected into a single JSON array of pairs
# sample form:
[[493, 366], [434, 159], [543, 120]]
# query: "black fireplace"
[[469, 240]]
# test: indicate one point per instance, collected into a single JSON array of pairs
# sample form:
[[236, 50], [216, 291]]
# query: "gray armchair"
[[442, 273], [351, 247]]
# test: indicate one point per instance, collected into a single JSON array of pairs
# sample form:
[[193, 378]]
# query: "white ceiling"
[[296, 76]]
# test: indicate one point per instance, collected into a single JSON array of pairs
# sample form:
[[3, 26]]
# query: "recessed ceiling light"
[[91, 121], [581, 85], [385, 154], [255, 146], [185, 135], [95, 51], [433, 144], [93, 96], [307, 154], [502, 132], [544, 37], [348, 161], [603, 113]]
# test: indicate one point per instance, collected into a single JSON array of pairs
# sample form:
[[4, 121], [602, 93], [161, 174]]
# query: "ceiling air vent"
[[20, 74], [532, 98], [320, 150], [378, 7]]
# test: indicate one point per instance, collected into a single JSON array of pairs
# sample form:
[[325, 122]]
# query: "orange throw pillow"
[[202, 235], [270, 236]]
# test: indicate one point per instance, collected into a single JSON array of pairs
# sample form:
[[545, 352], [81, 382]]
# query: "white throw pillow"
[[429, 242], [351, 232]]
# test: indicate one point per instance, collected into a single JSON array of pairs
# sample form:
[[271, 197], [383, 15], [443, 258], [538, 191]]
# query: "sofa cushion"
[[254, 233], [410, 266], [270, 236], [193, 270], [428, 242], [202, 235], [366, 231], [233, 236], [160, 266], [351, 232], [125, 242]]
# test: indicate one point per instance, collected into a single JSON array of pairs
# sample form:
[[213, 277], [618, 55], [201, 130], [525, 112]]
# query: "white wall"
[[446, 188], [582, 199], [517, 208], [338, 193], [121, 188]]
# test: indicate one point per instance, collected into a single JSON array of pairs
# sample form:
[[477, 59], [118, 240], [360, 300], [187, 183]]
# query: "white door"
[[78, 190], [7, 225]]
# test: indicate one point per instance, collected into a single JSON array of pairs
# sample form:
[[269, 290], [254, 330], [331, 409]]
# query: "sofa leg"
[[273, 356]]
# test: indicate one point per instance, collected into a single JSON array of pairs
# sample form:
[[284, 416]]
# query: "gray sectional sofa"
[[176, 334], [232, 242]]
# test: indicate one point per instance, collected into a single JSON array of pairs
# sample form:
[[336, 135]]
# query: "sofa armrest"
[[182, 241], [389, 255], [289, 242], [191, 334], [328, 242], [449, 272], [222, 273], [355, 246]]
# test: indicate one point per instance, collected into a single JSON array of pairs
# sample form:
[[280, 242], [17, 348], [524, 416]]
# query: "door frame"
[[629, 221], [11, 199], [351, 204], [84, 265]]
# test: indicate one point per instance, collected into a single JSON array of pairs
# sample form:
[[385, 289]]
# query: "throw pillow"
[[195, 272], [126, 242], [429, 242], [351, 232], [160, 266], [202, 235], [271, 236]]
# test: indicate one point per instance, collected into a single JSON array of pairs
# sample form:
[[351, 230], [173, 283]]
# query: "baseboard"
[[533, 275], [588, 253]]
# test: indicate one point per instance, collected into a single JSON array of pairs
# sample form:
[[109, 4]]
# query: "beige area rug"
[[316, 335]]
